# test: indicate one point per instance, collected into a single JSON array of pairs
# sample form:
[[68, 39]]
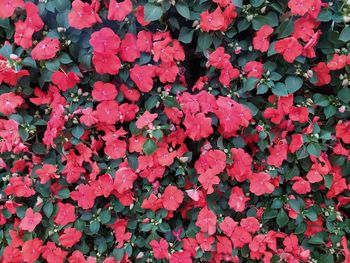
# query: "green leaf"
[[345, 34], [262, 89], [328, 179], [94, 227], [48, 209], [78, 131], [344, 95], [105, 216], [293, 84], [38, 148], [152, 12], [29, 62], [186, 35], [270, 19], [314, 149], [171, 102], [282, 218], [327, 258], [325, 15], [183, 10], [286, 29], [249, 84], [329, 111], [164, 227], [280, 89], [149, 147], [64, 193], [317, 239]]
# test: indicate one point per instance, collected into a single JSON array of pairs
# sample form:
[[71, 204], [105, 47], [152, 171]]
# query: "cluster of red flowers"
[[115, 146]]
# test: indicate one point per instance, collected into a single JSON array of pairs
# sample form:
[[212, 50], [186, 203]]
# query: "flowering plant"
[[174, 131]]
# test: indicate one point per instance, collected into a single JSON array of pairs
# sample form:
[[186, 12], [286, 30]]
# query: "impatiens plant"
[[174, 131]]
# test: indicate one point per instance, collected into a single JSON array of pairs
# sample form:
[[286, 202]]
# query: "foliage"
[[174, 131]]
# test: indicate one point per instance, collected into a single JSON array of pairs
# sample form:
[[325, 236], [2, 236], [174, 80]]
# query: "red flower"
[[300, 7], [53, 254], [274, 115], [33, 19], [47, 172], [322, 73], [144, 41], [30, 220], [19, 187], [104, 91], [304, 28], [241, 167], [285, 103], [65, 81], [9, 102], [172, 198], [107, 112], [129, 50], [106, 63], [124, 179], [142, 76], [278, 153], [140, 16], [205, 242], [301, 186], [146, 120], [31, 250], [103, 186], [337, 62], [119, 10], [8, 7], [206, 221], [65, 214], [153, 203], [180, 257], [207, 180], [198, 126], [212, 21], [23, 34], [70, 237], [254, 69], [251, 224], [105, 41], [342, 131], [83, 15], [300, 114], [11, 254], [85, 196], [46, 49], [238, 199], [296, 143], [240, 237], [219, 59], [167, 72], [228, 226], [260, 184], [211, 162], [227, 74], [290, 48], [261, 39], [160, 249]]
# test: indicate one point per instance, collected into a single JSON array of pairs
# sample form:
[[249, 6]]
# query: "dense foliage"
[[174, 131]]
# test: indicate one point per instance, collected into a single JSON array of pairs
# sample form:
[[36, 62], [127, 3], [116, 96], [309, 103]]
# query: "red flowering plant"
[[174, 131]]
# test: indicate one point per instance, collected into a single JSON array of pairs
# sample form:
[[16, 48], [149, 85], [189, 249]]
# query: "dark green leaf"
[[183, 10], [282, 218], [186, 35], [293, 84], [152, 12], [149, 147]]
